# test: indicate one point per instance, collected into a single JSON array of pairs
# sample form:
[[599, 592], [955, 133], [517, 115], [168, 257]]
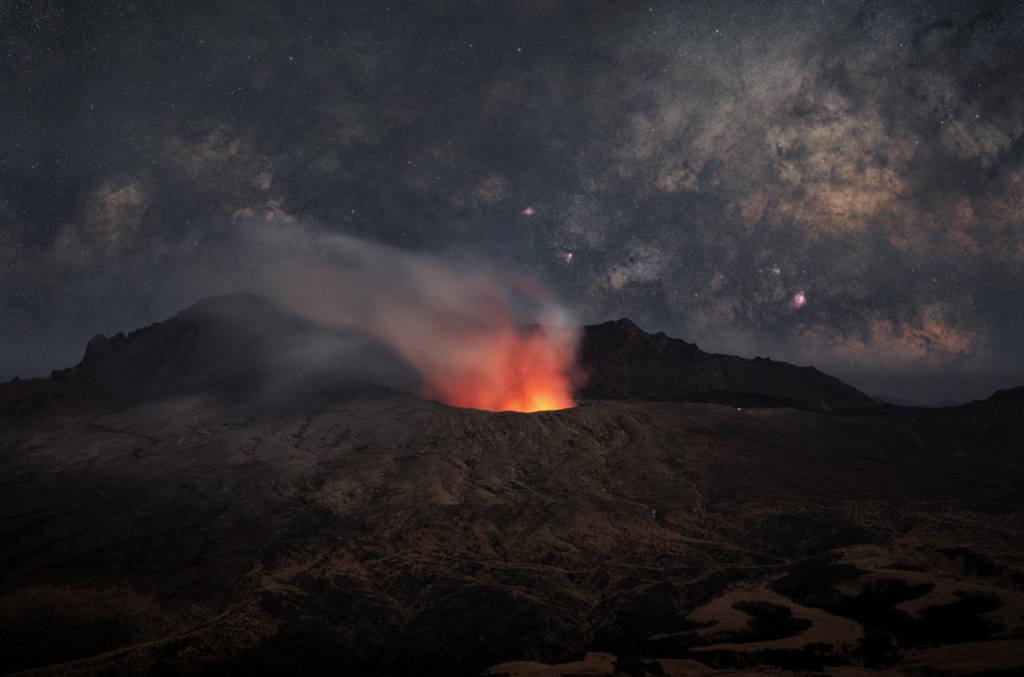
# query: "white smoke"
[[447, 319]]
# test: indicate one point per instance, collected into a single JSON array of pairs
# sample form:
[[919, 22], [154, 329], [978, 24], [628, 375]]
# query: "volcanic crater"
[[187, 501]]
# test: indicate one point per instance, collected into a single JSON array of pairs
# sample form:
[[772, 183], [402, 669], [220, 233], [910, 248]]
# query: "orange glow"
[[503, 369]]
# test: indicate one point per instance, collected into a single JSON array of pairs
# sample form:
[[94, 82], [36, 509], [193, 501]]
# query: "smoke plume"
[[477, 339]]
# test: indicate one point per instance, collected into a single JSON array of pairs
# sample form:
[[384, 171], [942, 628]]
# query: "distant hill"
[[905, 402]]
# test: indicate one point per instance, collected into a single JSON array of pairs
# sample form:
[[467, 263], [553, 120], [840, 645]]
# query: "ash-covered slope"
[[624, 362], [387, 536]]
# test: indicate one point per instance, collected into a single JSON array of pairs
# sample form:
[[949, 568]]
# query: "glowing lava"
[[510, 370]]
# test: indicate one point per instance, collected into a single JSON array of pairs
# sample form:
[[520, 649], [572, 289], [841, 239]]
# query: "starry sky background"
[[704, 163]]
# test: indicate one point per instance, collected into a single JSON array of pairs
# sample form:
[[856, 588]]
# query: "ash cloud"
[[474, 337]]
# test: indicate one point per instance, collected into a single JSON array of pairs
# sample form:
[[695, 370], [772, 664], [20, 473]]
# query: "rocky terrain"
[[174, 505]]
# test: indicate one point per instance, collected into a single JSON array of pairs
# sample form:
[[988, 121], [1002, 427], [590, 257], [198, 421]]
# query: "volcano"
[[199, 497]]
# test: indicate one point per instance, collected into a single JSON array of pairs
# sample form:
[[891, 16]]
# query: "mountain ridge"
[[625, 362], [232, 339]]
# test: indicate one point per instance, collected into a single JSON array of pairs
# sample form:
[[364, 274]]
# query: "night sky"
[[829, 183]]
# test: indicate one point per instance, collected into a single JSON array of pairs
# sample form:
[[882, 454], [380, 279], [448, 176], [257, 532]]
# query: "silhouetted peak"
[[624, 362], [624, 325], [240, 302], [214, 340], [1008, 395], [101, 347]]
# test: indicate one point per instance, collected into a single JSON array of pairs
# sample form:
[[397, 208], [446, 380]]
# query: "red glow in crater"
[[507, 369]]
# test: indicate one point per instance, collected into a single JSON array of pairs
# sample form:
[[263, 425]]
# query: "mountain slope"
[[624, 362], [239, 343], [239, 346], [388, 535], [190, 528]]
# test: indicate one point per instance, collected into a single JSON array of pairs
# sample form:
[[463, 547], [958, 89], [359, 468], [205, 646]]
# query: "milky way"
[[837, 184]]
